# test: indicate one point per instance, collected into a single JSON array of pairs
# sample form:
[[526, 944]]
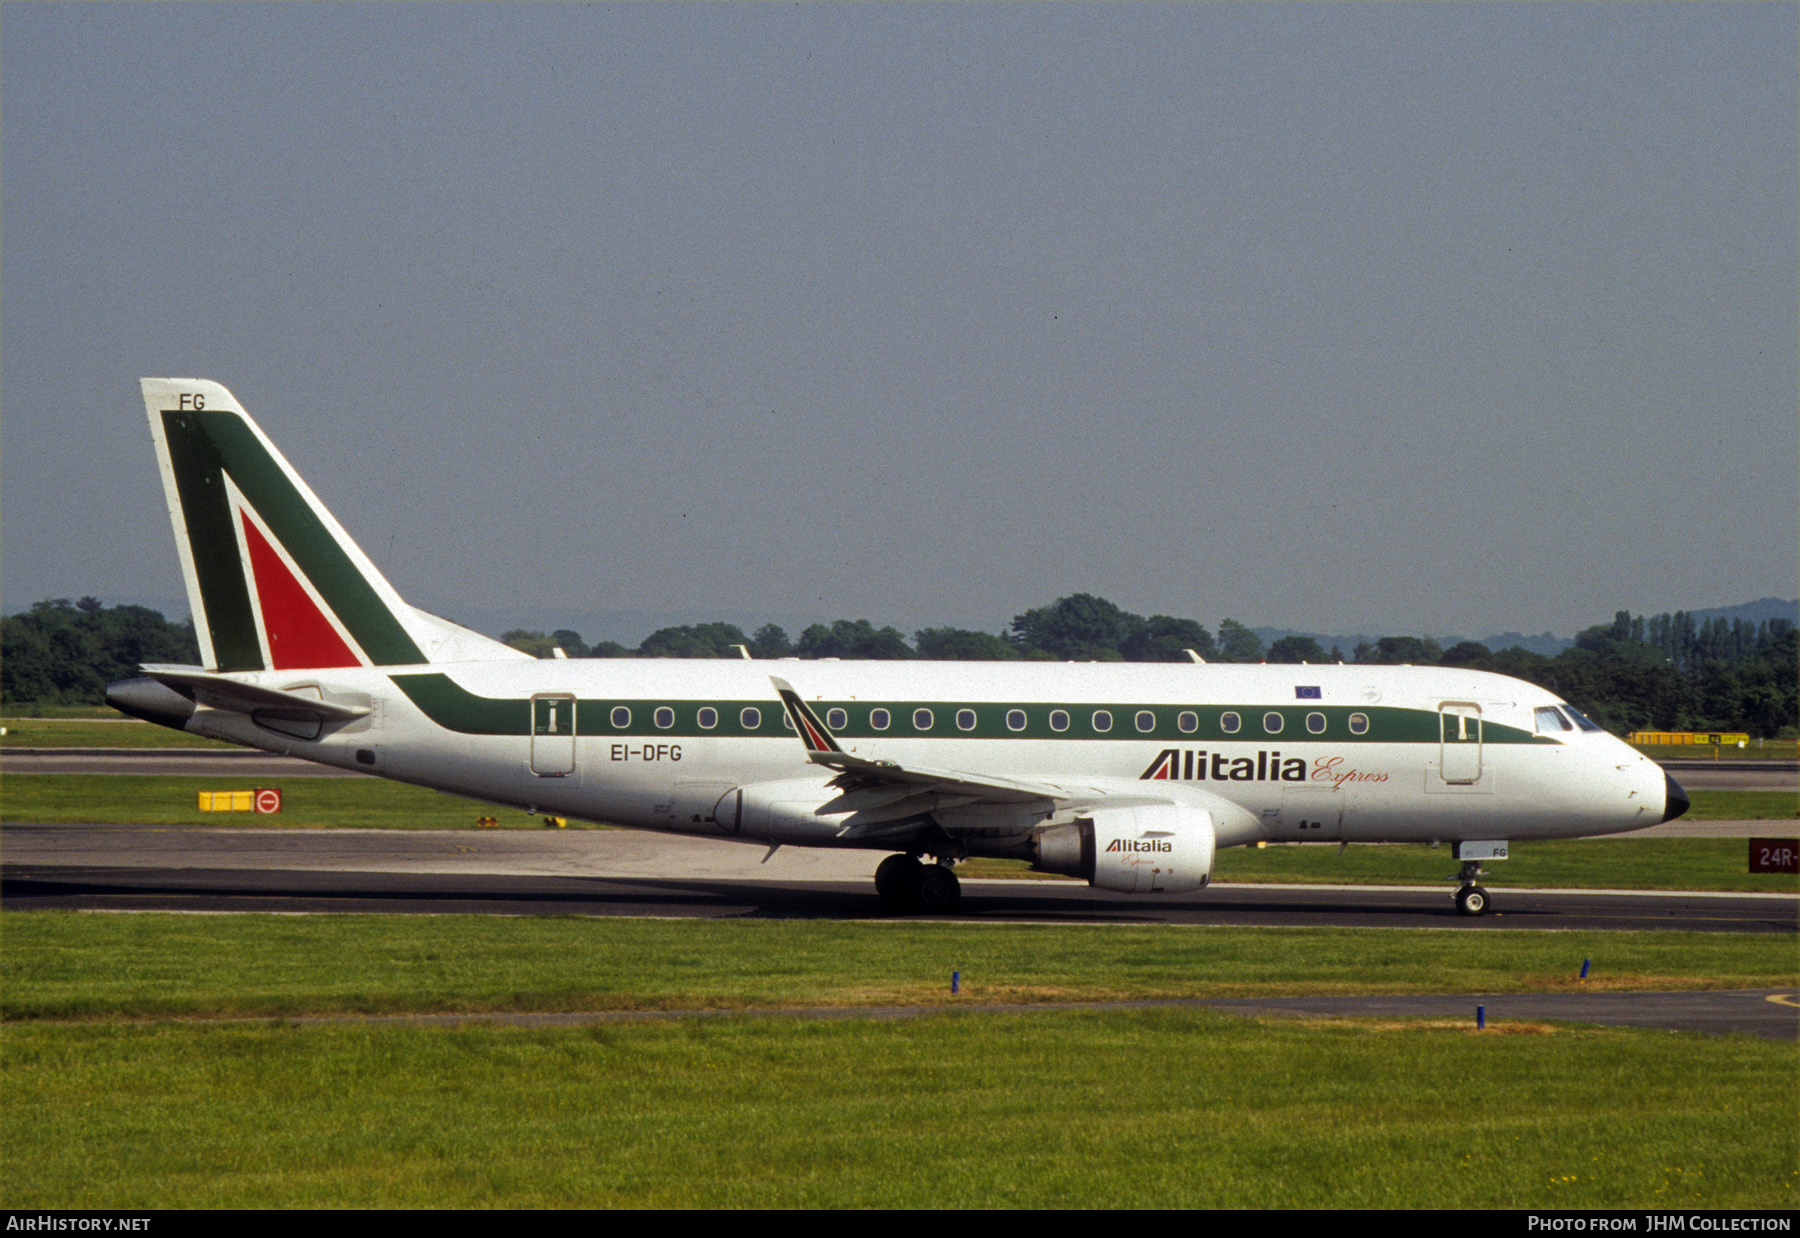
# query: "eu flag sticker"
[[1305, 694]]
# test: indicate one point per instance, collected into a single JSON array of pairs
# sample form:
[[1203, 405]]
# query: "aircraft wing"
[[884, 793]]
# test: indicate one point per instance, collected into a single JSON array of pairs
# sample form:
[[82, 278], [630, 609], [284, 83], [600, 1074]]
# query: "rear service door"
[[553, 735]]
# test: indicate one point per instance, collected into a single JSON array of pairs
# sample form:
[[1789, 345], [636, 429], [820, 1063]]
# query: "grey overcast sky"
[[1390, 318]]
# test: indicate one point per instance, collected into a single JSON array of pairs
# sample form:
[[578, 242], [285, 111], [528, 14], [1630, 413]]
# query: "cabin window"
[[665, 717], [1272, 723], [1015, 720], [709, 718], [1059, 720], [1230, 722], [1188, 721], [1551, 722], [921, 719], [621, 717], [836, 719], [880, 719], [751, 718], [1102, 721], [965, 720], [1146, 721], [1359, 724], [1315, 723]]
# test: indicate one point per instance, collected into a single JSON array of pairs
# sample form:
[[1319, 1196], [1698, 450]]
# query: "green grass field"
[[311, 803], [12, 710], [1743, 806], [60, 965], [1114, 1109], [133, 1109], [83, 731]]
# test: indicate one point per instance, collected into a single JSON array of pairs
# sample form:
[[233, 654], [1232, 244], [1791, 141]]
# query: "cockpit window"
[[1582, 720], [1550, 722]]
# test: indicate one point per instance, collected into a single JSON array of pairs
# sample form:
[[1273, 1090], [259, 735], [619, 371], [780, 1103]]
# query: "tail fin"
[[273, 581]]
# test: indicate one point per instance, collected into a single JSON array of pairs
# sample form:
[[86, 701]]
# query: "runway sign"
[[262, 799], [1774, 855]]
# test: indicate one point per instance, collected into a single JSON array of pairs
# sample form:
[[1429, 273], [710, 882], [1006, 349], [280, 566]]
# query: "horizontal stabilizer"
[[218, 691]]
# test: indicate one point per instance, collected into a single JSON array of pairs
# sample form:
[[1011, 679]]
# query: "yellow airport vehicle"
[[1721, 738]]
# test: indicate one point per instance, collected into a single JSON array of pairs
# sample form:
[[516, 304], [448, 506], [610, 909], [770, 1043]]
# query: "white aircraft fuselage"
[[1128, 774], [467, 728]]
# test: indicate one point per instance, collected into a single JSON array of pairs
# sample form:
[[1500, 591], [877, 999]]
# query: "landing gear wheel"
[[1472, 901], [938, 889], [896, 879]]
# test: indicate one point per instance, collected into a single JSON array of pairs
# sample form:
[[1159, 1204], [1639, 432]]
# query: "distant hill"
[[1755, 612], [1545, 643]]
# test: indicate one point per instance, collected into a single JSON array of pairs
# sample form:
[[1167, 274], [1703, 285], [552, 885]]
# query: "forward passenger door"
[[1459, 742]]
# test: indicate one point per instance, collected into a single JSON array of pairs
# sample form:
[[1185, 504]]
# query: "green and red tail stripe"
[[274, 582], [295, 629]]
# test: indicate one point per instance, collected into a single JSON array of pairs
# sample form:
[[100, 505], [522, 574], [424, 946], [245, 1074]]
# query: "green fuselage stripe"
[[456, 709]]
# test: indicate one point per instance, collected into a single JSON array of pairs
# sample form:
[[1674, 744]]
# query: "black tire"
[[937, 890], [896, 879], [1472, 901]]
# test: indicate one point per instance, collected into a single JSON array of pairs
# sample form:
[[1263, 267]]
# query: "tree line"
[[65, 653], [1663, 673]]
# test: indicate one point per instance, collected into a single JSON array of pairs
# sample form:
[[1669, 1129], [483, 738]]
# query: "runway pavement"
[[620, 873]]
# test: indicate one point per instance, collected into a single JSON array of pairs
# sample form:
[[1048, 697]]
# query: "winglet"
[[812, 732]]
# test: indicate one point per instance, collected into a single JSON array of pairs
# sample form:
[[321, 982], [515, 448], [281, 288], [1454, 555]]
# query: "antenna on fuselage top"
[[1194, 656], [744, 653]]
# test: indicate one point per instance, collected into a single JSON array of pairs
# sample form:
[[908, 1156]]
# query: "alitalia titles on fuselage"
[[1196, 765]]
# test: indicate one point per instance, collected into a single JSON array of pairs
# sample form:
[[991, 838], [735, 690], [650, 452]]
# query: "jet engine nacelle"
[[1135, 849]]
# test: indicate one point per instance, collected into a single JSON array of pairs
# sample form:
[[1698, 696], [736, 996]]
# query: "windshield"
[[1582, 720]]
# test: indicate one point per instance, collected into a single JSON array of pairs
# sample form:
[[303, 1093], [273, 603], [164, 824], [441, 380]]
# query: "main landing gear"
[[905, 884], [1471, 899]]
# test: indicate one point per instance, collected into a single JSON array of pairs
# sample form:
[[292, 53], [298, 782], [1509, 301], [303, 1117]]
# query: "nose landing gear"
[[1471, 899]]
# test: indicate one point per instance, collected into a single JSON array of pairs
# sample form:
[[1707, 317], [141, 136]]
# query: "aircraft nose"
[[1676, 802]]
